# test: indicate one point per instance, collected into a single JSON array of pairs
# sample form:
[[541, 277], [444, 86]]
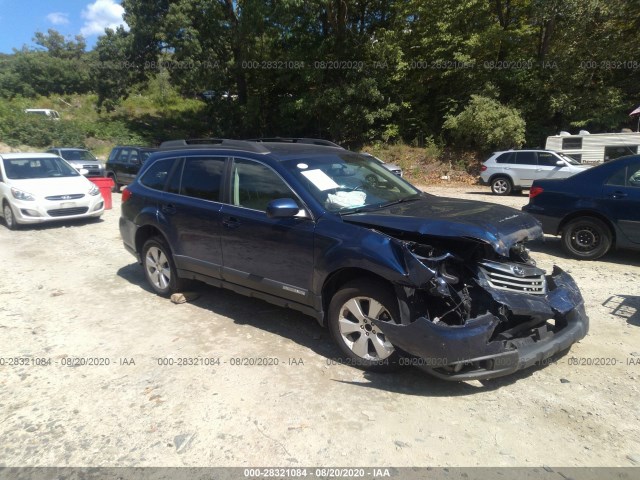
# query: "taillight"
[[535, 191], [483, 168], [126, 194]]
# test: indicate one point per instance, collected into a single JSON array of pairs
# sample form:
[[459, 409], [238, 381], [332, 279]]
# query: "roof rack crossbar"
[[221, 142], [303, 140]]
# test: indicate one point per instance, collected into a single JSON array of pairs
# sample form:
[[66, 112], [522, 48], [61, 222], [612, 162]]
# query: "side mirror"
[[282, 208], [83, 171], [560, 163]]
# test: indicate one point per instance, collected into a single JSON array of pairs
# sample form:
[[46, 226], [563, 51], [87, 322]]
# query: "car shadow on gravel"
[[415, 382], [56, 225], [625, 306], [305, 331]]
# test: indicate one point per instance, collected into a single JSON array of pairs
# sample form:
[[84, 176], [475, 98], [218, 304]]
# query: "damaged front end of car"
[[474, 311]]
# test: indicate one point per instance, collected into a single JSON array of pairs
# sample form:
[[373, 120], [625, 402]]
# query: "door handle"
[[618, 194], [169, 208], [231, 222]]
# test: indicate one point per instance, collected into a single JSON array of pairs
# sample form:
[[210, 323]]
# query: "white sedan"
[[41, 187]]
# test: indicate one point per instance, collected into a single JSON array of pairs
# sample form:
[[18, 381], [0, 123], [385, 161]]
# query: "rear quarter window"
[[509, 157], [156, 175]]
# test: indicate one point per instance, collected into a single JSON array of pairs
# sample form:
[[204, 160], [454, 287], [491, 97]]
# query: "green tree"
[[113, 72], [485, 124]]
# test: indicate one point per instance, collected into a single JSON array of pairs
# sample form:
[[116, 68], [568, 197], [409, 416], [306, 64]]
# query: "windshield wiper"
[[378, 206], [410, 198]]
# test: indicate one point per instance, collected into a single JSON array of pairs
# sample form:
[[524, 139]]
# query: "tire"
[[9, 217], [363, 344], [586, 238], [116, 187], [159, 268], [501, 186]]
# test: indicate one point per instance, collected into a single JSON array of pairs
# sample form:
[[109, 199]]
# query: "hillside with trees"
[[462, 75]]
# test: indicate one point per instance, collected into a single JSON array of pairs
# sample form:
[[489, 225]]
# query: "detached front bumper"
[[475, 351]]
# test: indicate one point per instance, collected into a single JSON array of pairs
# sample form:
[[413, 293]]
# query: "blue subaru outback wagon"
[[392, 271]]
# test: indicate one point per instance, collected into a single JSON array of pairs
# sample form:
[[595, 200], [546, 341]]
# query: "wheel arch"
[[500, 175], [145, 233], [337, 279]]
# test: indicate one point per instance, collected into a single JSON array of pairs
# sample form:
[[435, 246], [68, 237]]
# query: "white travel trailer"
[[595, 148]]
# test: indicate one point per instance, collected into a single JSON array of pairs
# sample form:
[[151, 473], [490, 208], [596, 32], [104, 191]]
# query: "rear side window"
[[156, 176], [527, 158], [509, 157], [202, 177]]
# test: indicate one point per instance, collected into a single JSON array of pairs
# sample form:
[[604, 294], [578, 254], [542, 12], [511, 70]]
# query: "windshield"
[[28, 168], [570, 160], [349, 182], [74, 155]]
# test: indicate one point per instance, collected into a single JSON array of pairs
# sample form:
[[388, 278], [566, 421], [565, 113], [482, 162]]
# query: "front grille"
[[74, 196], [65, 212], [514, 277]]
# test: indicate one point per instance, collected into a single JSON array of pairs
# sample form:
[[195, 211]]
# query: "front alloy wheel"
[[9, 218], [351, 315]]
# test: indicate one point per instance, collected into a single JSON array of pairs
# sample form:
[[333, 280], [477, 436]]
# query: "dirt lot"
[[73, 292]]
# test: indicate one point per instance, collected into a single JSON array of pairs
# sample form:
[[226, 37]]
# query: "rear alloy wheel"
[[501, 186], [159, 269], [351, 313], [586, 238], [9, 217]]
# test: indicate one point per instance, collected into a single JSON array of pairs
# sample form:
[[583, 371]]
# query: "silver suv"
[[514, 170], [80, 158]]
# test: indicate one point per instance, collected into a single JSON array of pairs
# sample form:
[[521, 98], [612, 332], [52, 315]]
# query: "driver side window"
[[254, 185]]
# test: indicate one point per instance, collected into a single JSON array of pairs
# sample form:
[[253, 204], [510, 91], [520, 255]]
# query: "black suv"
[[398, 275], [124, 163]]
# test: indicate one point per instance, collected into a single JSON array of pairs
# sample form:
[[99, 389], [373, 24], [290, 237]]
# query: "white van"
[[594, 148], [52, 114]]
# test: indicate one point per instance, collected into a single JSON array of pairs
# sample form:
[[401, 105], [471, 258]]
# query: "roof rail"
[[220, 142], [309, 141]]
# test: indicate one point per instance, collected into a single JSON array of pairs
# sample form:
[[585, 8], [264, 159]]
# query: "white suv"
[[514, 170]]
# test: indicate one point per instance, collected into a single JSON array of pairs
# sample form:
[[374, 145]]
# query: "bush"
[[485, 125], [21, 129]]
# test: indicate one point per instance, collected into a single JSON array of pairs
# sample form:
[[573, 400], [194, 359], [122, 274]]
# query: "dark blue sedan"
[[593, 211]]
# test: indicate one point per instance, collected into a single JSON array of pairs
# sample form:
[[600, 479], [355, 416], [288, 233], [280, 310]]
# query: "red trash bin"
[[105, 184]]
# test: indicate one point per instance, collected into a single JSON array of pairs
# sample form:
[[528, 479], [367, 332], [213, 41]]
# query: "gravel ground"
[[71, 292]]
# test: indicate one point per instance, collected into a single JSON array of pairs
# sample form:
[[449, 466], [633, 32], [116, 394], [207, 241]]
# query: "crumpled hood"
[[500, 226]]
